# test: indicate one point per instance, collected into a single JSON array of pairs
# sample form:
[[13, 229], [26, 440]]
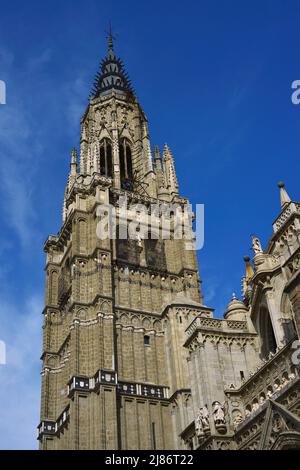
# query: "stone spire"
[[73, 169], [158, 167], [157, 159], [169, 171], [112, 74], [73, 164], [111, 53], [284, 197], [70, 181]]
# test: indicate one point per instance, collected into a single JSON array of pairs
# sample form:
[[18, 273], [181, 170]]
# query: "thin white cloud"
[[20, 380], [37, 62], [75, 97], [23, 136], [18, 155]]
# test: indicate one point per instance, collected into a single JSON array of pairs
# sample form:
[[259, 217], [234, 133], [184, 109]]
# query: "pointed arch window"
[[266, 332], [125, 164], [106, 158]]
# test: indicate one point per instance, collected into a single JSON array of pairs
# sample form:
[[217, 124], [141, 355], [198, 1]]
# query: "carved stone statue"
[[262, 400], [284, 382], [204, 417], [256, 245], [255, 406], [198, 423], [292, 376], [218, 413], [202, 420], [276, 387], [139, 240], [237, 419]]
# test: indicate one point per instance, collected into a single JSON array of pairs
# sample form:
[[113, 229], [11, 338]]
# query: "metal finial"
[[111, 38]]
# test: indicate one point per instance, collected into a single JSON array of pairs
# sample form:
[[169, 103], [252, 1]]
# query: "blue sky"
[[214, 79]]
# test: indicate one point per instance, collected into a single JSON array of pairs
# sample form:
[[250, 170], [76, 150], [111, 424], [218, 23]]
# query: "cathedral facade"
[[132, 357]]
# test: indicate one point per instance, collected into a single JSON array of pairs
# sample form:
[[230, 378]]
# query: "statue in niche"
[[202, 420], [218, 413], [255, 406], [238, 419], [204, 417], [198, 423]]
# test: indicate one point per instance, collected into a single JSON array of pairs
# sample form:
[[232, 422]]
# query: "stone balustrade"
[[291, 208], [216, 324], [271, 379]]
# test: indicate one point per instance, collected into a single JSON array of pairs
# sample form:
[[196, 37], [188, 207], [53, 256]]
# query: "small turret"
[[236, 309]]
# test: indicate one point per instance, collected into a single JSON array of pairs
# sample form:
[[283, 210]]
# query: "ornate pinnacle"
[[157, 157], [249, 270], [284, 197], [73, 165], [74, 156]]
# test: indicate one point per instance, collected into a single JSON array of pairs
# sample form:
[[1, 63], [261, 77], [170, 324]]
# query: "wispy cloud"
[[25, 139], [20, 379], [19, 151], [37, 62], [24, 135], [75, 96]]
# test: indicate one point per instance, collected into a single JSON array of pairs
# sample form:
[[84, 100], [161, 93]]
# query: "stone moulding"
[[52, 428], [109, 377]]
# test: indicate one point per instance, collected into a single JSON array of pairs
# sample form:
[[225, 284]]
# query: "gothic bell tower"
[[114, 370]]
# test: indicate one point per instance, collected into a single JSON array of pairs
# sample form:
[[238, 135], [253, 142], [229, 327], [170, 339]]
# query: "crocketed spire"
[[112, 74]]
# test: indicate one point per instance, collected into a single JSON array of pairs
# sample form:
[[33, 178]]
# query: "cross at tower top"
[[111, 39]]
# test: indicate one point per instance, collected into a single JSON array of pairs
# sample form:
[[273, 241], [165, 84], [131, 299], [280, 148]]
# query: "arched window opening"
[[288, 323], [125, 165], [106, 158], [266, 332]]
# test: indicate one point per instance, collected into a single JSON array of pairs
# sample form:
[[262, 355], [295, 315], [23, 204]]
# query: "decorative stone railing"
[[216, 324], [291, 208], [271, 378]]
